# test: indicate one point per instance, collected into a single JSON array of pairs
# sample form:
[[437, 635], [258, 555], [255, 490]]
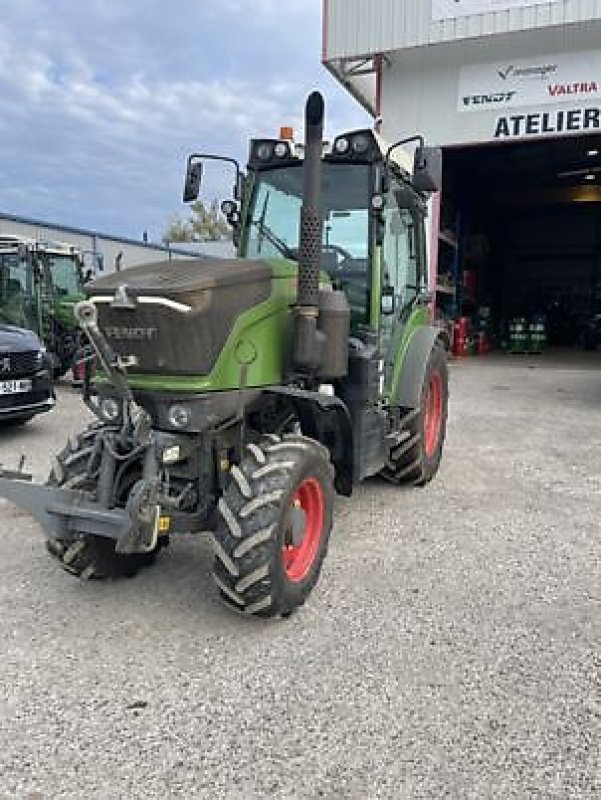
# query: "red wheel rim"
[[298, 558], [433, 414]]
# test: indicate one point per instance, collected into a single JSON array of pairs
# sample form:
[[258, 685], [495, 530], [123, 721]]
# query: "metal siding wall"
[[364, 27], [133, 254]]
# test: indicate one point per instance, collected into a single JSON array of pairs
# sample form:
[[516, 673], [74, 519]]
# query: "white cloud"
[[100, 104]]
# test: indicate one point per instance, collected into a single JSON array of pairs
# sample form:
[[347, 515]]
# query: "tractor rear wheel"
[[417, 457], [88, 556], [275, 518]]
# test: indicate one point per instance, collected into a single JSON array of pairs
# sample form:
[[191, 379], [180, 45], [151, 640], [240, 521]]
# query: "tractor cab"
[[372, 216], [17, 287], [372, 211], [41, 283]]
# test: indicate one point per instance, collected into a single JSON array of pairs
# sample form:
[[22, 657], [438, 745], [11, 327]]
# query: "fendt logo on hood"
[[126, 334]]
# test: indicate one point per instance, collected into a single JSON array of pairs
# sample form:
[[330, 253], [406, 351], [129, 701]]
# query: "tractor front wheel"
[[417, 457], [275, 518], [88, 556]]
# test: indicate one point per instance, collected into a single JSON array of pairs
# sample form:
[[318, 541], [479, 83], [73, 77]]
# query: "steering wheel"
[[335, 248]]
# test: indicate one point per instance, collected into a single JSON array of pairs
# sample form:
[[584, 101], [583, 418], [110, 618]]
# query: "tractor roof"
[[358, 146], [11, 243]]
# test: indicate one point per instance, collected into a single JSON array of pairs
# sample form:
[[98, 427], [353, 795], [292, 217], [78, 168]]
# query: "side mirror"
[[193, 181], [228, 207], [239, 186], [427, 169], [388, 303]]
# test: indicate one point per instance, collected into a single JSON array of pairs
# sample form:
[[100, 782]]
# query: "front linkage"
[[106, 483]]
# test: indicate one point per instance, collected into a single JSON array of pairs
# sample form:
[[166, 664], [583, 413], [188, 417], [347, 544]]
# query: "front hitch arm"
[[63, 513]]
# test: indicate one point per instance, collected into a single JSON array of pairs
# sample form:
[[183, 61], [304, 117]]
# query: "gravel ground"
[[452, 647]]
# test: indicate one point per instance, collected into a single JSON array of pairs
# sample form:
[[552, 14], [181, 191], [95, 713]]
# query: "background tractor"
[[40, 282], [237, 396]]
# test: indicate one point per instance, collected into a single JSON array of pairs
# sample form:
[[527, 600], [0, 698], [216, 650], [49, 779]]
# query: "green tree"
[[203, 225], [179, 230]]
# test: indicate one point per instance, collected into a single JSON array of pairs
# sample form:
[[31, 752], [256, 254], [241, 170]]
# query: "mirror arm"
[[209, 157], [409, 140]]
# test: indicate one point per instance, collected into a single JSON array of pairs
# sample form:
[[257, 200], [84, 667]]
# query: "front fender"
[[413, 371], [326, 419]]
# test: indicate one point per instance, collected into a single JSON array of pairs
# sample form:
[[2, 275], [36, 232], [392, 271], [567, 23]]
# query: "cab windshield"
[[273, 229], [65, 275], [16, 291], [274, 218]]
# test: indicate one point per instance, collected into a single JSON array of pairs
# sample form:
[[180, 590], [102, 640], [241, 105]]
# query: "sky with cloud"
[[101, 101]]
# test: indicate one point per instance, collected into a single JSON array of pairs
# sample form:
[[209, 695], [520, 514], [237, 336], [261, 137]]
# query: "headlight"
[[179, 417], [171, 455], [342, 145], [281, 150], [378, 201], [360, 144], [264, 151], [40, 357], [110, 409]]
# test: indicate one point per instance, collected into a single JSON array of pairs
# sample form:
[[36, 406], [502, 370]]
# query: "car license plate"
[[15, 387]]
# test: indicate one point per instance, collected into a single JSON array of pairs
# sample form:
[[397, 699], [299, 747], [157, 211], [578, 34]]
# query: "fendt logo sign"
[[529, 83], [494, 99]]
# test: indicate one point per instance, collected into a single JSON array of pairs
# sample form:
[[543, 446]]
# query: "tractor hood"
[[175, 316], [17, 340]]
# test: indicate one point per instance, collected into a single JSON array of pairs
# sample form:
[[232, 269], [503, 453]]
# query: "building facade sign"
[[527, 82], [548, 123], [453, 9]]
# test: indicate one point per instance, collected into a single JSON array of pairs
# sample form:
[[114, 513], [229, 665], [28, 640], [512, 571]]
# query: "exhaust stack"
[[307, 344]]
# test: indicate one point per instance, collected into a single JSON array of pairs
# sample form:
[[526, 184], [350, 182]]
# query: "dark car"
[[25, 376]]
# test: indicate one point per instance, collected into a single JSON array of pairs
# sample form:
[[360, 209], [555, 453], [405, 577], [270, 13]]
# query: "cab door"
[[404, 279]]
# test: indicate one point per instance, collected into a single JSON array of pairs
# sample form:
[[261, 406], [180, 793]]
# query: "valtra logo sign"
[[548, 80], [572, 89]]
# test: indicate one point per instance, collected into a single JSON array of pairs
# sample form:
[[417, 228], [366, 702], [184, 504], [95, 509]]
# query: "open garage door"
[[520, 246]]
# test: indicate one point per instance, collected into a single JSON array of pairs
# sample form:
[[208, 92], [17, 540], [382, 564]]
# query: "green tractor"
[[40, 283], [238, 396]]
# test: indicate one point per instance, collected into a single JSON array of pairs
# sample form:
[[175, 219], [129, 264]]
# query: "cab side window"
[[400, 262]]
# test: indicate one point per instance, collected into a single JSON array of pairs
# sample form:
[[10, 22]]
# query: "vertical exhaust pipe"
[[307, 344]]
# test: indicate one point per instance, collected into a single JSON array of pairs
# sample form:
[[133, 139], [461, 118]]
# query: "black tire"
[[415, 460], [16, 422], [276, 477], [85, 555]]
